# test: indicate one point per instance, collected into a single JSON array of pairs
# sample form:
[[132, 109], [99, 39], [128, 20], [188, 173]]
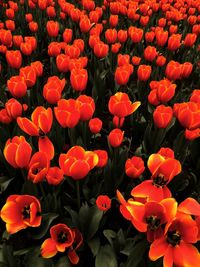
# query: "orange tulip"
[[134, 167], [14, 108], [14, 58], [144, 72], [115, 137], [103, 202], [111, 35], [103, 158], [67, 113], [101, 50], [38, 67], [67, 35], [77, 162], [17, 86], [162, 116], [20, 212], [17, 152], [29, 74], [54, 176], [95, 125], [52, 28], [78, 79], [121, 106], [86, 107], [38, 167], [53, 89]]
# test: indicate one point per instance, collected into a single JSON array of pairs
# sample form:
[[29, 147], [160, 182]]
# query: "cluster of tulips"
[[100, 101]]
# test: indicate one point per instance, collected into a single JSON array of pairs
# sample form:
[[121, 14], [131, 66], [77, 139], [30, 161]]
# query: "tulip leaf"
[[94, 245], [110, 235], [63, 262], [4, 183], [137, 254], [106, 257], [47, 219]]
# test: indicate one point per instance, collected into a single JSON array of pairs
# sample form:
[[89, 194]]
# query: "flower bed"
[[99, 133]]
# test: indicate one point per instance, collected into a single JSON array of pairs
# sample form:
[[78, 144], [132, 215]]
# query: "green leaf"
[[63, 262], [34, 259], [94, 245], [95, 217], [110, 235], [137, 254], [46, 221], [4, 183], [106, 257]]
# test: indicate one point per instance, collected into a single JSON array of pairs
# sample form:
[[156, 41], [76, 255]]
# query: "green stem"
[[78, 194]]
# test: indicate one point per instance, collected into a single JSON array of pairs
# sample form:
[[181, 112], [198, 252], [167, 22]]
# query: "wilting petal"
[[190, 206], [45, 145], [158, 248], [48, 248], [186, 255]]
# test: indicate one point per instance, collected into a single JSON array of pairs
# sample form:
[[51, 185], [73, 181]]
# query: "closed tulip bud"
[[14, 108], [144, 72], [54, 49], [14, 58], [134, 167], [190, 39], [4, 117], [144, 20], [78, 79], [67, 35], [162, 116], [195, 97], [94, 16], [72, 51], [103, 158], [52, 28], [160, 61], [161, 37], [38, 67], [174, 42], [149, 36], [173, 70], [122, 75], [17, 40], [86, 107], [51, 11], [26, 49], [10, 25], [192, 134], [101, 50], [150, 53], [115, 137], [17, 152], [52, 90], [85, 24], [17, 86], [10, 13], [95, 125], [123, 59], [33, 26], [186, 69], [135, 60], [122, 36], [173, 29], [31, 40], [162, 22], [6, 37], [28, 17], [80, 44], [111, 36], [113, 20], [29, 74], [115, 48], [62, 62]]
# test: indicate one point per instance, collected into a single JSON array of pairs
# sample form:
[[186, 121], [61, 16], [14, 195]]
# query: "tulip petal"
[[45, 145], [158, 248], [190, 206], [23, 154], [48, 248]]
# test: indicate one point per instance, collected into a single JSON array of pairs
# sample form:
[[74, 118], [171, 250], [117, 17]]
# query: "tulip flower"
[[20, 212]]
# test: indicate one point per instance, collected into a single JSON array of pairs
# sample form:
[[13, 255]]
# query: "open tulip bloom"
[[100, 133]]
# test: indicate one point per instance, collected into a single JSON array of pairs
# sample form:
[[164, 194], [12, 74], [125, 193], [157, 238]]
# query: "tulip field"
[[100, 133]]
